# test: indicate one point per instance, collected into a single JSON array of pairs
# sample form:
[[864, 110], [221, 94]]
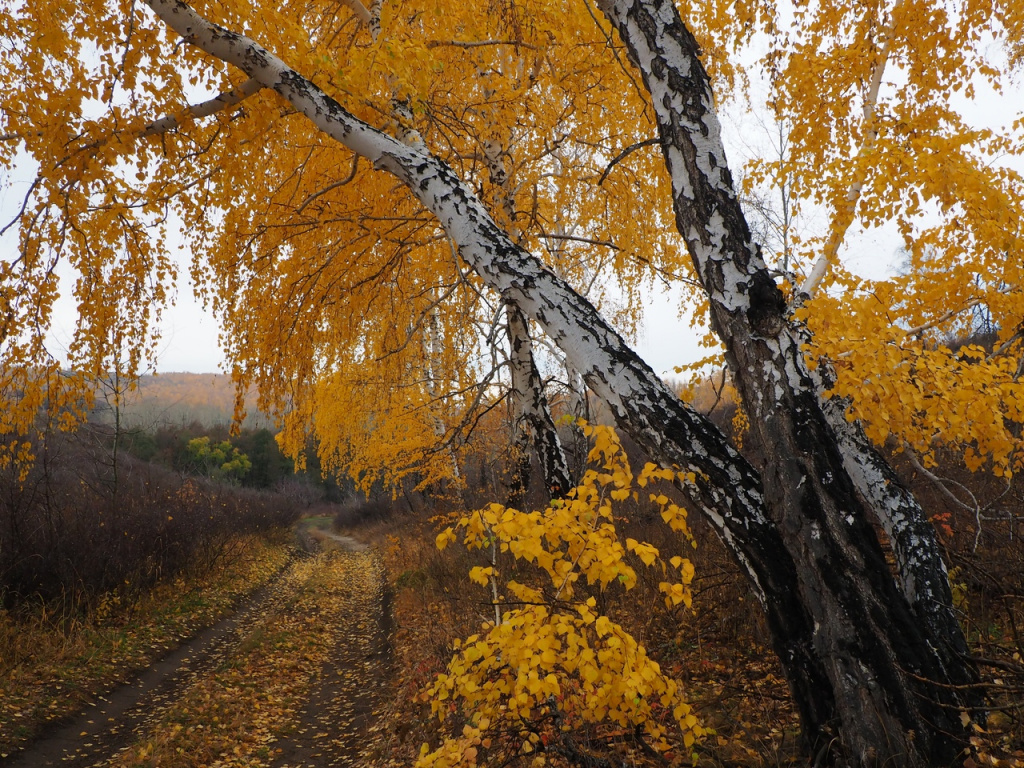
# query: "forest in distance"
[[427, 231], [180, 398]]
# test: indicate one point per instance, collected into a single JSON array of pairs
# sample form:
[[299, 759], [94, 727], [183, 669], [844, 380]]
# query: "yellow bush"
[[551, 665]]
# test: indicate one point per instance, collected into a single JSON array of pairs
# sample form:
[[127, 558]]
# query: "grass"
[[50, 665]]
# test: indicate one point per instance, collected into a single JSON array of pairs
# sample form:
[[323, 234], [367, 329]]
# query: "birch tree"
[[334, 188]]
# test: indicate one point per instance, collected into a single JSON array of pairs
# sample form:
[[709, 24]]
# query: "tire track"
[[113, 718], [335, 726]]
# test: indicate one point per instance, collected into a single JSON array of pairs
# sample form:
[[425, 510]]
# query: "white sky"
[[189, 333]]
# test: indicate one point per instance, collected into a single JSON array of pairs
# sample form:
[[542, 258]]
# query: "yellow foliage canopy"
[[329, 279], [326, 275], [875, 105]]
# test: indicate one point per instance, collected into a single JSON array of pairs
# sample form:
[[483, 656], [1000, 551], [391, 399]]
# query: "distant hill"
[[181, 398]]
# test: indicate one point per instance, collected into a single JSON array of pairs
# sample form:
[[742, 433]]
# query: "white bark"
[[435, 351], [843, 218], [532, 417], [218, 103], [359, 10]]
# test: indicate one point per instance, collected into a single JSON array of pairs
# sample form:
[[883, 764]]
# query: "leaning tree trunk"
[[856, 657], [889, 662], [922, 573], [532, 424]]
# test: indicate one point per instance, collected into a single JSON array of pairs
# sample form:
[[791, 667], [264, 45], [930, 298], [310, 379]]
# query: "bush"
[[359, 511], [77, 526]]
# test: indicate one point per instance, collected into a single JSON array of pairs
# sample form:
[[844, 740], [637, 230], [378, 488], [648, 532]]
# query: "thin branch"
[[586, 240], [418, 325], [469, 414], [624, 154], [330, 187], [1005, 346], [24, 205], [218, 103], [943, 318], [940, 483], [1008, 666], [127, 46], [479, 44], [626, 70]]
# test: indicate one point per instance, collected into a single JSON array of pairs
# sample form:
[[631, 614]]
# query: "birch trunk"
[[433, 371], [532, 418], [889, 670], [532, 425]]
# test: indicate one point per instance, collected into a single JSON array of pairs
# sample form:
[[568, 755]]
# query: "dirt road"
[[335, 725], [291, 679]]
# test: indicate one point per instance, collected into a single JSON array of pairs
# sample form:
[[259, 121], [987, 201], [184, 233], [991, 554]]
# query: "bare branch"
[[479, 44], [624, 154], [586, 240], [329, 187], [940, 484]]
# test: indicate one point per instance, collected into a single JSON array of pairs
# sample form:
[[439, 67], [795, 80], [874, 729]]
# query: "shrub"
[[72, 531]]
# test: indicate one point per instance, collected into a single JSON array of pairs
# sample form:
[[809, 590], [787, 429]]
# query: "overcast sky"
[[189, 334]]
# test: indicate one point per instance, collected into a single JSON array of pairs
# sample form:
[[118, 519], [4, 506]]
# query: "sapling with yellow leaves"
[[552, 667]]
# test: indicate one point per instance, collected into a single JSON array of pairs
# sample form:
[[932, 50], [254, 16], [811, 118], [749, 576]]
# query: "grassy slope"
[[48, 670]]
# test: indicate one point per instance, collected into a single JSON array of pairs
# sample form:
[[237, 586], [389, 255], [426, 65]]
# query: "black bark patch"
[[766, 313]]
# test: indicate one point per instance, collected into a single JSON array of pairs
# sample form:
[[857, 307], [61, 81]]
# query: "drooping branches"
[[342, 282]]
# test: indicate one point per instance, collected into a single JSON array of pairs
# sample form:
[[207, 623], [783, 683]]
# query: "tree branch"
[[624, 154], [918, 330], [843, 217], [340, 183], [360, 10], [479, 44], [218, 103]]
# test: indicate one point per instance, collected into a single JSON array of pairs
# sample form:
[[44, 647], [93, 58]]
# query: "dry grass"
[[49, 666]]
